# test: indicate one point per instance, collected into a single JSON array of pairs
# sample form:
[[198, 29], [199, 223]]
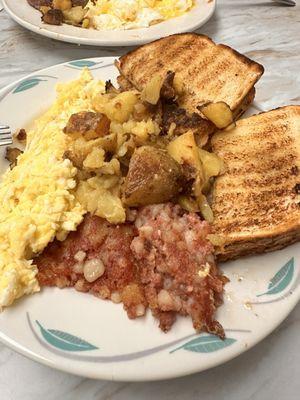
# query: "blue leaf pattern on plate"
[[281, 279], [82, 63], [64, 341], [206, 344], [31, 82], [27, 84]]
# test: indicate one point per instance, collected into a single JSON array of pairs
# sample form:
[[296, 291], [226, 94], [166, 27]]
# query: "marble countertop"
[[270, 34]]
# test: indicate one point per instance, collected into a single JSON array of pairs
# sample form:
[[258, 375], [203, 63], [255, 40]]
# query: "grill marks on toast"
[[211, 72], [256, 200]]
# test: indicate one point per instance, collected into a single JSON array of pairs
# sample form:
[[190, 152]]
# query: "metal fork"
[[5, 135], [290, 3]]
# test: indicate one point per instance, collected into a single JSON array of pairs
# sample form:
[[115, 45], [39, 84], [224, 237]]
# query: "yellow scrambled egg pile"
[[36, 196], [131, 14]]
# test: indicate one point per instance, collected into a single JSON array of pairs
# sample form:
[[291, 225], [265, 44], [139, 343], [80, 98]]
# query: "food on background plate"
[[256, 201], [110, 14]]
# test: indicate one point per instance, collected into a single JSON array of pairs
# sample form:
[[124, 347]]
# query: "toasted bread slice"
[[209, 72], [256, 202]]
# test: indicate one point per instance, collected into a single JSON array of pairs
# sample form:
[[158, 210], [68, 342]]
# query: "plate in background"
[[30, 18], [81, 334]]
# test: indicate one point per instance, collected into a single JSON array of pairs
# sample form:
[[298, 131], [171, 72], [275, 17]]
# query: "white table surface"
[[271, 35]]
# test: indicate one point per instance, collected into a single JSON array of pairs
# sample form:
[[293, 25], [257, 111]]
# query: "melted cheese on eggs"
[[130, 14]]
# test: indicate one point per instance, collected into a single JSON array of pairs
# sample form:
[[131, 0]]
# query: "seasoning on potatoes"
[[74, 15]]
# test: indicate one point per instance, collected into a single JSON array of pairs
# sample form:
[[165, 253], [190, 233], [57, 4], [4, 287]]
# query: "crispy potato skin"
[[40, 3], [89, 124], [53, 17], [12, 154], [153, 177]]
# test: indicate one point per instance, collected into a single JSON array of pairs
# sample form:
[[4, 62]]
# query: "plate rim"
[[106, 43], [154, 375]]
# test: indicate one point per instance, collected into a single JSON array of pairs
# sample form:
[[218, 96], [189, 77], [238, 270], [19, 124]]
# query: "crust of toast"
[[256, 246], [256, 202]]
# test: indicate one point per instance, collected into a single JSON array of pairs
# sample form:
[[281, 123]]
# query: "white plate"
[[30, 18], [47, 326]]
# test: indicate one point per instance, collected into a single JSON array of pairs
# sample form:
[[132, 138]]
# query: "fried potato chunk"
[[53, 17], [89, 124], [218, 113], [74, 15], [153, 177], [12, 154]]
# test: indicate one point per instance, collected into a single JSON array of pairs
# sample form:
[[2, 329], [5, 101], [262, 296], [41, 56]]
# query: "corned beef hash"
[[110, 196]]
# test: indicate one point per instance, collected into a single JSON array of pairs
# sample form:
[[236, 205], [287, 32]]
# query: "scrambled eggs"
[[61, 176], [37, 199], [130, 14]]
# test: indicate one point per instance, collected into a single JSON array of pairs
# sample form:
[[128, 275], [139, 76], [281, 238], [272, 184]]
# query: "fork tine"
[[5, 142], [6, 136], [5, 130], [5, 133]]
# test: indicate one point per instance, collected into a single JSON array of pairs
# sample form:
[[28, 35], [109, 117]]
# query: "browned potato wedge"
[[74, 15], [40, 3], [218, 113], [153, 177], [89, 124], [53, 17], [62, 4], [12, 154]]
